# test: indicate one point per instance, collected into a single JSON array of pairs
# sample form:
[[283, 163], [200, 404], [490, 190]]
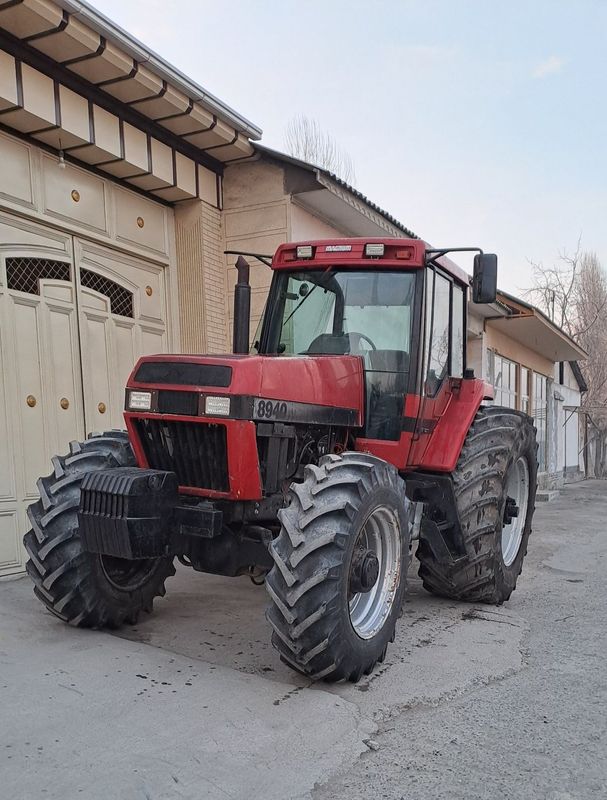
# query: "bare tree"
[[554, 288], [573, 293], [591, 333], [305, 139], [591, 329]]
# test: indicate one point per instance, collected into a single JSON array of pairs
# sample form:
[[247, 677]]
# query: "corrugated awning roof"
[[529, 326], [324, 176]]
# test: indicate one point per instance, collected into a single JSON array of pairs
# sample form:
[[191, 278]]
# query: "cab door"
[[444, 355]]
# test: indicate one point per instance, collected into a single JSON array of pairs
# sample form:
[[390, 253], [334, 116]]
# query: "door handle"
[[30, 400], [101, 408], [64, 403]]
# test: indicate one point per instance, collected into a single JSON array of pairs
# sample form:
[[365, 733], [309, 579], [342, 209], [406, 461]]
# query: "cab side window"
[[440, 340], [457, 332]]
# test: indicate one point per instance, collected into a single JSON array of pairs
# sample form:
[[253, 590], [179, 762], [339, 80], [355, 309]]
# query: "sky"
[[473, 123]]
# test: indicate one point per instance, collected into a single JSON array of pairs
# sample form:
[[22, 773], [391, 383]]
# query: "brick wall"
[[202, 278], [214, 270]]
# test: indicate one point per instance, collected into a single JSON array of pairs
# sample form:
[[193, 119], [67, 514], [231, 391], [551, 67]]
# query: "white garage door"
[[74, 317]]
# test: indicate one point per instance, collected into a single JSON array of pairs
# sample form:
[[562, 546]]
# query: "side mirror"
[[484, 280]]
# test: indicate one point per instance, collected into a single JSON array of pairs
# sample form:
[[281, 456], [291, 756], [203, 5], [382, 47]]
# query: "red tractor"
[[352, 428]]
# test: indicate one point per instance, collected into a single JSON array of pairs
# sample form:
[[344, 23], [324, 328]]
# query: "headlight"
[[140, 401], [217, 406]]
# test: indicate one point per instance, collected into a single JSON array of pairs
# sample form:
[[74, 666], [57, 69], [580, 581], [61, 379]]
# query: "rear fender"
[[447, 439]]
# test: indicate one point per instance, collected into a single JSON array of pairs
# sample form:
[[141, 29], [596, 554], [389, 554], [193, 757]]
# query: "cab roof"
[[403, 254]]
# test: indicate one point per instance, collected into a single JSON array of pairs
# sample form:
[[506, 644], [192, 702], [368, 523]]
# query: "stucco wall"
[[256, 219], [476, 356], [570, 460], [307, 226]]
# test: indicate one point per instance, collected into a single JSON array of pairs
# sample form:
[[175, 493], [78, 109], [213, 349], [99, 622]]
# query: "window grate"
[[25, 274], [121, 300]]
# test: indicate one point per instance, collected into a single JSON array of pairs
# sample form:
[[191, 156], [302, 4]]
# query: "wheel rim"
[[127, 575], [380, 535], [517, 489]]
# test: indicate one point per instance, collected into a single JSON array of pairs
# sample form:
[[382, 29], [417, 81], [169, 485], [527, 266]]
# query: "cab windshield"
[[329, 312]]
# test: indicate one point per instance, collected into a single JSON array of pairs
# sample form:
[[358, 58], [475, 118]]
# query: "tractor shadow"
[[222, 621], [215, 619]]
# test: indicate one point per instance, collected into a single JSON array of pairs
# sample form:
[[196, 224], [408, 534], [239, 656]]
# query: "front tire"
[[496, 473], [327, 623], [81, 588]]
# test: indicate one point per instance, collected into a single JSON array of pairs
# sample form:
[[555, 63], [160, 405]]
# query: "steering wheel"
[[355, 343]]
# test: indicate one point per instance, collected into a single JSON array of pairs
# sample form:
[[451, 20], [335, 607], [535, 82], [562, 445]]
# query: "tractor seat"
[[333, 344], [388, 360]]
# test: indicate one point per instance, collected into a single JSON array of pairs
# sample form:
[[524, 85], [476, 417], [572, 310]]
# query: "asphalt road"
[[472, 702]]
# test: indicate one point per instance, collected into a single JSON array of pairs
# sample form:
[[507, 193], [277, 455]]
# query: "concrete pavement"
[[193, 702], [93, 715], [539, 732]]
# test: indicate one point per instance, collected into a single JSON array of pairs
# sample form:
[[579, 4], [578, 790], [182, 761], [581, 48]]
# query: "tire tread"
[[308, 555], [62, 572], [479, 488]]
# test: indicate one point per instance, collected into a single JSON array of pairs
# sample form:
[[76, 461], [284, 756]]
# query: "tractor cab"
[[396, 304], [361, 312]]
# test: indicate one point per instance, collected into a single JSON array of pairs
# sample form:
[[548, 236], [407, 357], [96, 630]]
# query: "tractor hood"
[[289, 389]]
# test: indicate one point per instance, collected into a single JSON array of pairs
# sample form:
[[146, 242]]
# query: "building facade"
[[532, 365], [110, 230]]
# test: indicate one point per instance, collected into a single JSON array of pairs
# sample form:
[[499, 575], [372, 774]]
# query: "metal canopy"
[[534, 332]]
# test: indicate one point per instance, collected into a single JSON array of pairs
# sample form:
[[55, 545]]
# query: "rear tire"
[[346, 507], [500, 445], [82, 588]]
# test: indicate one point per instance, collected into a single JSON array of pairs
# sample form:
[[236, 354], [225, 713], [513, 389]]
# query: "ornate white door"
[[41, 406], [74, 318]]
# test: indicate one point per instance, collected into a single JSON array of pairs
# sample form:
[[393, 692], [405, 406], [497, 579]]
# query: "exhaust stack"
[[242, 307]]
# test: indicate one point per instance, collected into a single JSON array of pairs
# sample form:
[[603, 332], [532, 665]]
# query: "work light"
[[373, 249]]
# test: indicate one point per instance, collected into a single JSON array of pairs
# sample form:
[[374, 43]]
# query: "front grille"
[[195, 451], [183, 403]]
